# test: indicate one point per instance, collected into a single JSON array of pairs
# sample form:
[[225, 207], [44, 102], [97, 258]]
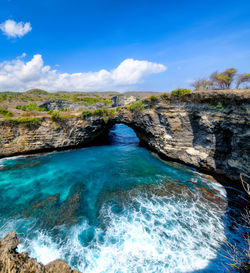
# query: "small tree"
[[201, 84], [223, 80], [242, 78]]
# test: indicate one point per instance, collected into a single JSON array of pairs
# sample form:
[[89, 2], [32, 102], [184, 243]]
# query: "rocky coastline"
[[206, 130], [12, 262]]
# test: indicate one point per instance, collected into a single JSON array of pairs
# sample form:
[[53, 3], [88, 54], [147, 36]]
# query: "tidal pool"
[[114, 208]]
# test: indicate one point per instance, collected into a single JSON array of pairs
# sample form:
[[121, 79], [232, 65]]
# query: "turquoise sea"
[[115, 208]]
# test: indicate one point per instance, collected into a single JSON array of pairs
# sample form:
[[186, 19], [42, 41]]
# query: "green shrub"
[[163, 96], [153, 99], [107, 102], [181, 92], [104, 112], [85, 100], [23, 143], [3, 97], [98, 112], [6, 113], [57, 116], [136, 106], [106, 119], [86, 113], [31, 107], [24, 120]]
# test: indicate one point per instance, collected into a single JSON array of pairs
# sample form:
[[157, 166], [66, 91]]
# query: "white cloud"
[[20, 75], [13, 29]]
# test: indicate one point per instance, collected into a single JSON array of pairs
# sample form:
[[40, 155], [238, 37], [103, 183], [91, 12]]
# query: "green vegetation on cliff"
[[136, 106], [6, 113], [181, 92], [23, 120], [98, 112], [30, 107]]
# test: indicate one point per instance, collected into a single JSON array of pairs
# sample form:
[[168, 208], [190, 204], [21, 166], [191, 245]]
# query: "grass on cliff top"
[[5, 113], [59, 116], [38, 95], [98, 112], [82, 99], [136, 106], [23, 120], [181, 92], [30, 107]]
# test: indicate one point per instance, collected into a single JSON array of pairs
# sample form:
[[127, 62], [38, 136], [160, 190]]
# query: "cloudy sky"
[[120, 45]]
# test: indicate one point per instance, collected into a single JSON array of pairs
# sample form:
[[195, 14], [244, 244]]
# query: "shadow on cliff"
[[217, 138]]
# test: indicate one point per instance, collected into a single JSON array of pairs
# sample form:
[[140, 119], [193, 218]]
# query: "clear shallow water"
[[114, 208]]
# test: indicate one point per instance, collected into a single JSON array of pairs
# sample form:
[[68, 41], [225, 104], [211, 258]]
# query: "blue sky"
[[191, 39]]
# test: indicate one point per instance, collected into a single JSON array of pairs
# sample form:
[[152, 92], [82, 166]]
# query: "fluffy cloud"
[[20, 75], [14, 29]]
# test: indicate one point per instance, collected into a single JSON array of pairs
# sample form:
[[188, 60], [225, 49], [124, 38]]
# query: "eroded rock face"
[[13, 262], [208, 130], [57, 105], [49, 135], [123, 100]]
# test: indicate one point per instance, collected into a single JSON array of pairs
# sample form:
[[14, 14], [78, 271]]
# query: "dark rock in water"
[[13, 262]]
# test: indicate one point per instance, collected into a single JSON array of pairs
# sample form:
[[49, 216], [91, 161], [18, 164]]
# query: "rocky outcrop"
[[123, 100], [61, 133], [210, 131], [63, 105], [13, 262], [207, 130], [57, 105]]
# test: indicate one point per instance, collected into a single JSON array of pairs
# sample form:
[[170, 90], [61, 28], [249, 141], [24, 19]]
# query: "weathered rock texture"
[[208, 130], [123, 100], [13, 262], [48, 135]]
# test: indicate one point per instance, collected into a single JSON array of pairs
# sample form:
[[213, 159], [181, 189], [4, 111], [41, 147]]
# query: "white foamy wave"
[[43, 248], [160, 234]]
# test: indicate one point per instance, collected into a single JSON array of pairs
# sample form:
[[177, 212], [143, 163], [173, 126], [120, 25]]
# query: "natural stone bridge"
[[209, 131]]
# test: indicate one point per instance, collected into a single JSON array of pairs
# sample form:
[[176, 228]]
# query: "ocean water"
[[115, 208]]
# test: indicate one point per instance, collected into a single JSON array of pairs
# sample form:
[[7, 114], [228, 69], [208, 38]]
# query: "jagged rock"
[[13, 262], [56, 105], [123, 100]]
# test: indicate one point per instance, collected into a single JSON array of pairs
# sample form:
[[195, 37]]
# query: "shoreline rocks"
[[13, 262]]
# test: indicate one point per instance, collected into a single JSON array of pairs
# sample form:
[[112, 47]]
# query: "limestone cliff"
[[208, 130], [27, 137]]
